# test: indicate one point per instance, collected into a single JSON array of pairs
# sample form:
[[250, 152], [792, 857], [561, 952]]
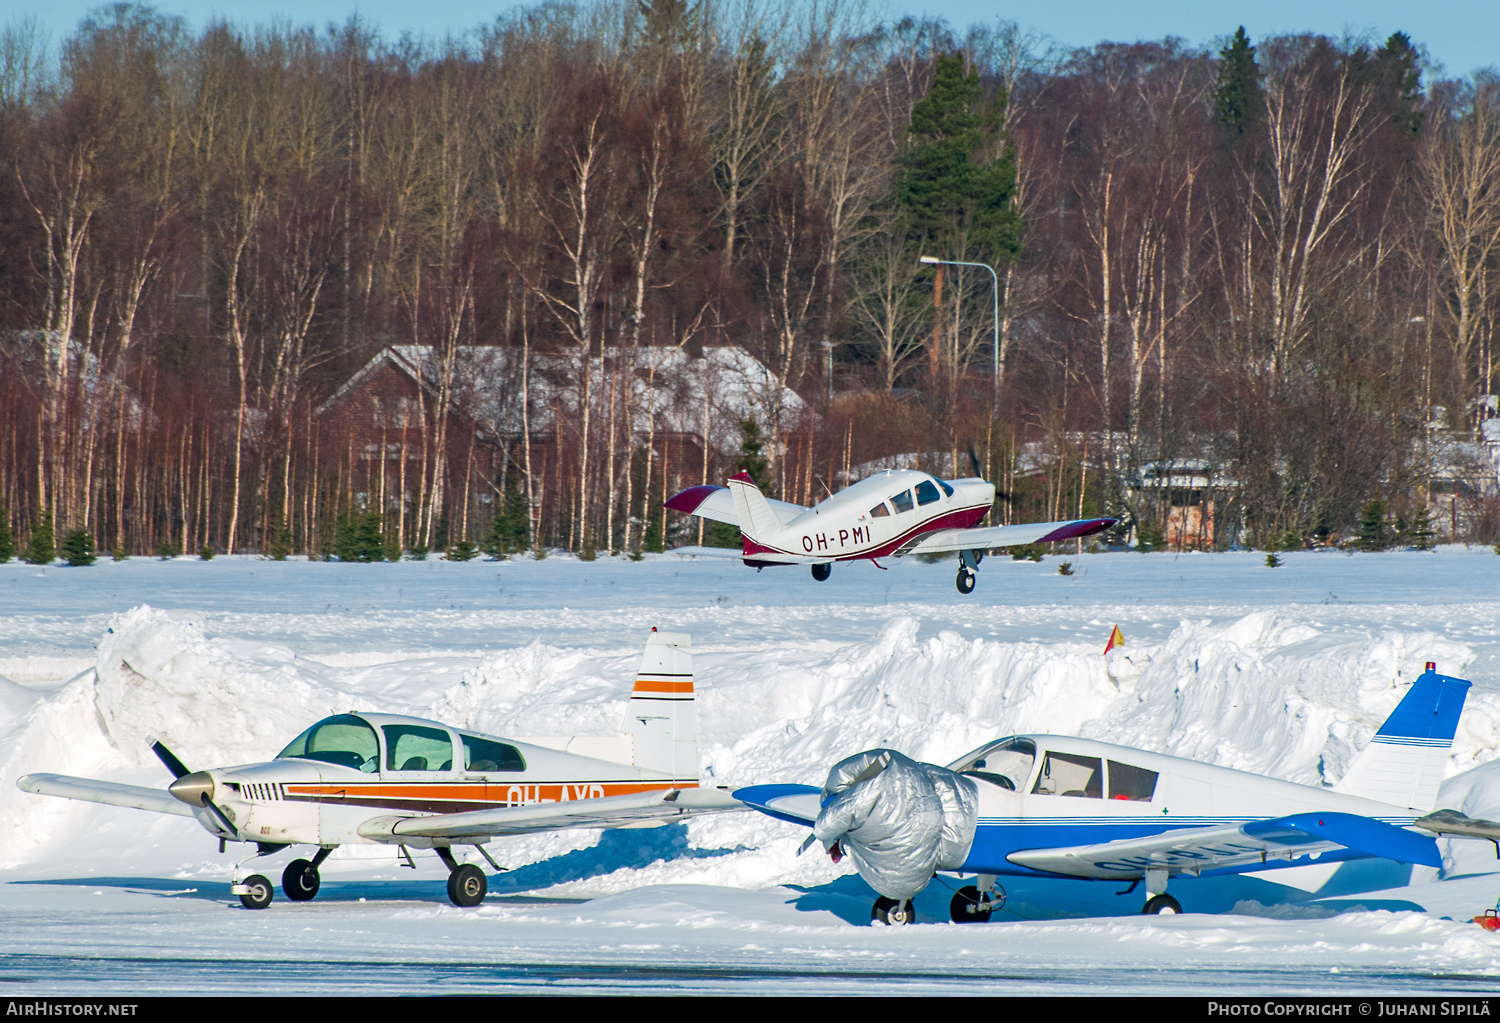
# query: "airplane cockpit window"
[[946, 489], [343, 739], [902, 501], [880, 511], [417, 748], [1006, 764], [1066, 774], [486, 755], [927, 492], [1133, 783]]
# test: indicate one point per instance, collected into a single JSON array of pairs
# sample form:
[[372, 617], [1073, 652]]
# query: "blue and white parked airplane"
[[1053, 806]]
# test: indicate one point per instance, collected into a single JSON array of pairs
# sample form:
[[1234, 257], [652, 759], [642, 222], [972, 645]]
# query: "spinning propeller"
[[195, 788], [979, 472]]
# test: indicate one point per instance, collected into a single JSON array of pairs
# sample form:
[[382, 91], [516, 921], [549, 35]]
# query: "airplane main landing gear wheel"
[[467, 885], [823, 571], [300, 880], [971, 906], [1163, 904], [258, 892], [965, 580], [893, 913]]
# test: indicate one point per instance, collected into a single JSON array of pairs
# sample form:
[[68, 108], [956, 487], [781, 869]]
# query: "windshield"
[[343, 739], [1006, 763]]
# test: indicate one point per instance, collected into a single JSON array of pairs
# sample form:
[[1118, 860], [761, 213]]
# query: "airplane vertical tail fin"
[[757, 519], [663, 718], [1405, 760]]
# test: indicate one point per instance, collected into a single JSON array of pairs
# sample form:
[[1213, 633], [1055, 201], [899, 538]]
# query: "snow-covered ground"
[[1284, 671]]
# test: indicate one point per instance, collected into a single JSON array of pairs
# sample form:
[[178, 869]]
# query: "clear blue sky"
[[1463, 35]]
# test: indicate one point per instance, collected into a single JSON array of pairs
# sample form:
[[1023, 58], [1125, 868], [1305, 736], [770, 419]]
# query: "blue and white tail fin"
[[1405, 761], [663, 718], [757, 519]]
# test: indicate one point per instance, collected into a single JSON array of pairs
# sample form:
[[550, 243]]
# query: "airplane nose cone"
[[193, 789]]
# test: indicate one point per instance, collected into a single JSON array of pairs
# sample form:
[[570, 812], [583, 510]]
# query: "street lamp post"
[[996, 278]]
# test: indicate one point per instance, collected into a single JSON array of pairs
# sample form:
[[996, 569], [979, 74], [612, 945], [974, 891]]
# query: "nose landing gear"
[[893, 913], [968, 561]]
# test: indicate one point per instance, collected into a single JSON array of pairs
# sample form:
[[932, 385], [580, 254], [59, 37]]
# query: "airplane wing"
[[111, 793], [1193, 850], [715, 503], [643, 809], [795, 804], [984, 538]]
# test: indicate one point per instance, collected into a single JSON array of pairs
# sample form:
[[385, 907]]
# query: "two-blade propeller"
[[979, 472], [195, 788]]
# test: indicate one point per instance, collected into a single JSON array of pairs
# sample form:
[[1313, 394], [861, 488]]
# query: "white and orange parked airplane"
[[888, 515], [409, 782]]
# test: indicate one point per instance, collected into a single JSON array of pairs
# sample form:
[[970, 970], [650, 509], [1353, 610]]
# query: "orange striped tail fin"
[[663, 717]]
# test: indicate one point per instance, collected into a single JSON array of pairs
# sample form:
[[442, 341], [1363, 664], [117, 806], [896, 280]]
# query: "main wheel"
[[260, 894], [970, 906], [893, 913], [965, 581], [300, 880], [467, 885], [1163, 904], [823, 571]]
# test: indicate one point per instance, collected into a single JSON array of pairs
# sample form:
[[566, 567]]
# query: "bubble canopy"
[[343, 739]]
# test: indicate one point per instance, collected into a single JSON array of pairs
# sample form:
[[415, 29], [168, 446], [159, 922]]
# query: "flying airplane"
[[1053, 806], [888, 515], [413, 783]]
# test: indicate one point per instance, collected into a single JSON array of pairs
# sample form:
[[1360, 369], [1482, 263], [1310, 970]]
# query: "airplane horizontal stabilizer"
[[642, 809], [716, 503], [110, 793], [1451, 822], [795, 804], [986, 537], [1193, 850]]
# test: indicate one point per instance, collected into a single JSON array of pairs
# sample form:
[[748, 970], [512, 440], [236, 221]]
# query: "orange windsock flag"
[[1116, 638]]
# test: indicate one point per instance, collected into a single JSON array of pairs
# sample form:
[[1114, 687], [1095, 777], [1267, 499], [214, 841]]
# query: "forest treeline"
[[1274, 258]]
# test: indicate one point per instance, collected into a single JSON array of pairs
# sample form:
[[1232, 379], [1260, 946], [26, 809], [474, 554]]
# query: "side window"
[[927, 492], [946, 489], [1064, 774], [415, 748], [880, 511], [486, 755], [902, 501], [1133, 783]]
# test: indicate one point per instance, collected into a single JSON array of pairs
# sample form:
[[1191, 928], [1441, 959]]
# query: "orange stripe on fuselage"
[[491, 793], [654, 686]]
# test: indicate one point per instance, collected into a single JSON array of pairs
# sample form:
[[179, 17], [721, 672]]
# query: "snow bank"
[[1260, 693]]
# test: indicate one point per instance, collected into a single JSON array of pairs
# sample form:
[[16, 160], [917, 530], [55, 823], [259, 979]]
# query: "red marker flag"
[[1116, 638]]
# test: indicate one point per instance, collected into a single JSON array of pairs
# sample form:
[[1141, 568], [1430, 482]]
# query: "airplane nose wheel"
[[893, 913], [971, 906], [965, 580], [257, 891]]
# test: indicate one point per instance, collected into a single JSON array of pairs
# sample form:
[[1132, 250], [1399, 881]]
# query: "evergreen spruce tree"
[[207, 552], [78, 548], [121, 550], [281, 542], [1398, 77], [1238, 103], [464, 550], [752, 456], [943, 183], [1374, 531], [1419, 534], [42, 548], [359, 538], [7, 538]]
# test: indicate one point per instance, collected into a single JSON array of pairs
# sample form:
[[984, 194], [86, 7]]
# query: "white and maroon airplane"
[[890, 514]]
